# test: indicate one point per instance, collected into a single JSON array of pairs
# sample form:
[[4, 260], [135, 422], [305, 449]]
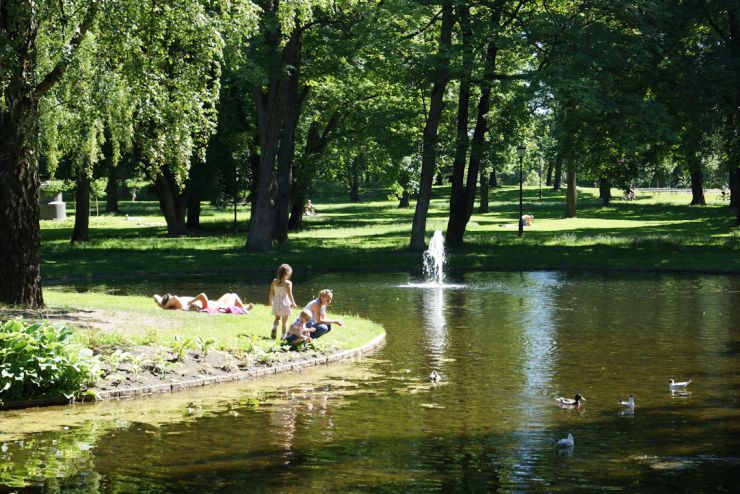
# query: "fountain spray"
[[434, 259]]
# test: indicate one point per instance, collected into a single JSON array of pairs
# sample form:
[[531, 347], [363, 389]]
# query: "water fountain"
[[434, 259]]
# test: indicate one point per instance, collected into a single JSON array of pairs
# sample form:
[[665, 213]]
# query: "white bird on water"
[[568, 402], [630, 403], [680, 386], [566, 442], [435, 376]]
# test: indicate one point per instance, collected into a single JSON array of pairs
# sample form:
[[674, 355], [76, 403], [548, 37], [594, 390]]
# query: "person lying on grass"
[[201, 302]]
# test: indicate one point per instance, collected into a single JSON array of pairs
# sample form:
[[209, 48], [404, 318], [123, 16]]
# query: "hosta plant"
[[41, 360]]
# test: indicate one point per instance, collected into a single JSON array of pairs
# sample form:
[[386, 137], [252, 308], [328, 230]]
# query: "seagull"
[[567, 402], [435, 376], [630, 403], [565, 443], [674, 386]]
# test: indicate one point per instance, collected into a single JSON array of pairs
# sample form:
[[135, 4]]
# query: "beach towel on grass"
[[224, 310]]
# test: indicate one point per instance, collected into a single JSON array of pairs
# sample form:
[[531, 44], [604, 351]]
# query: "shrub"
[[39, 360]]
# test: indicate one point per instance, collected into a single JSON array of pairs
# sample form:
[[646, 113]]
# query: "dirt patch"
[[81, 318], [148, 366]]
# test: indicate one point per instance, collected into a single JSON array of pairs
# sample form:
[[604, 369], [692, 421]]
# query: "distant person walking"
[[281, 298]]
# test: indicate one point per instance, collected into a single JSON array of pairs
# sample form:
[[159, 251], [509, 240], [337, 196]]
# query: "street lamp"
[[521, 151], [235, 184]]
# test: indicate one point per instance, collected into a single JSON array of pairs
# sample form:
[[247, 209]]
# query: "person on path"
[[281, 298]]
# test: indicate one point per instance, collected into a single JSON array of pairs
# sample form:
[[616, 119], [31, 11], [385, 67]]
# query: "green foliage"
[[180, 347], [39, 360], [115, 359], [204, 344]]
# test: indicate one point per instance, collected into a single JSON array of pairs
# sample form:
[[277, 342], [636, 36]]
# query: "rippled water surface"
[[507, 345]]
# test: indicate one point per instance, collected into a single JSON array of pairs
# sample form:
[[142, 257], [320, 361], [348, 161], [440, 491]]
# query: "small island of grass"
[[122, 346]]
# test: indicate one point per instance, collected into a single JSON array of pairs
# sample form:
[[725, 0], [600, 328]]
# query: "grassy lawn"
[[136, 344], [132, 320], [658, 232]]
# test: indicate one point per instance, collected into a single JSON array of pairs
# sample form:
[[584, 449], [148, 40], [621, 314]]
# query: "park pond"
[[506, 344]]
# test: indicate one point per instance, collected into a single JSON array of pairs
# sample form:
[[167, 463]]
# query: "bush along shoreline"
[[117, 348], [39, 360]]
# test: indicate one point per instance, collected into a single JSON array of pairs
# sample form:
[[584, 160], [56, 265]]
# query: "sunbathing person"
[[201, 302]]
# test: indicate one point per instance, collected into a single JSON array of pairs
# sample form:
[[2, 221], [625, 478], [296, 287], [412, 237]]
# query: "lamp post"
[[235, 184], [521, 151]]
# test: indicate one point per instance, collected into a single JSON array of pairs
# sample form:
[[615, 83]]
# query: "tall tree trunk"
[[732, 146], [483, 207], [170, 202], [358, 164], [459, 221], [429, 139], [479, 134], [548, 182], [286, 152], [254, 166], [269, 108], [82, 208], [193, 222], [405, 199], [605, 192], [20, 236], [558, 171], [111, 189], [305, 168], [455, 230], [493, 180], [298, 203], [571, 196], [734, 184], [697, 186]]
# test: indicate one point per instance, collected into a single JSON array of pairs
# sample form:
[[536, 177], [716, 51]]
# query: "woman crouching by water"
[[319, 322]]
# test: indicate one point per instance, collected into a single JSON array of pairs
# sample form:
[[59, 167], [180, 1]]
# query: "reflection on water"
[[507, 344], [434, 323]]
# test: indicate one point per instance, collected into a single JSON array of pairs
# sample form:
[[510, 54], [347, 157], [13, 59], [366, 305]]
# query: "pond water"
[[507, 345]]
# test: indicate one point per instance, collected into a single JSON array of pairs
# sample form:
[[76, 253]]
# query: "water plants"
[[41, 360]]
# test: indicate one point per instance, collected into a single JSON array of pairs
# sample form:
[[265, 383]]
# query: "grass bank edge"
[[138, 323]]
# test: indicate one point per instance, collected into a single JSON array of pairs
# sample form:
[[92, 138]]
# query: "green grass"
[[139, 321], [660, 232]]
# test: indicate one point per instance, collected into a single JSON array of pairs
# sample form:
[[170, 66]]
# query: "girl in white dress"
[[281, 298]]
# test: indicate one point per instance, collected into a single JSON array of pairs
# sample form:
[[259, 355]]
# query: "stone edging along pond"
[[243, 375], [206, 381]]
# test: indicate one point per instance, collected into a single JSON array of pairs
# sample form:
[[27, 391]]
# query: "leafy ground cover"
[[655, 232], [135, 343], [40, 360]]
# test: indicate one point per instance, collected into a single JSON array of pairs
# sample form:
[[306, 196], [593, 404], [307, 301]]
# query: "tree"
[[429, 139], [25, 77], [462, 196]]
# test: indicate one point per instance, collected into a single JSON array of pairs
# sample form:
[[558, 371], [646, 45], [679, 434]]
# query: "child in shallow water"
[[298, 332]]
